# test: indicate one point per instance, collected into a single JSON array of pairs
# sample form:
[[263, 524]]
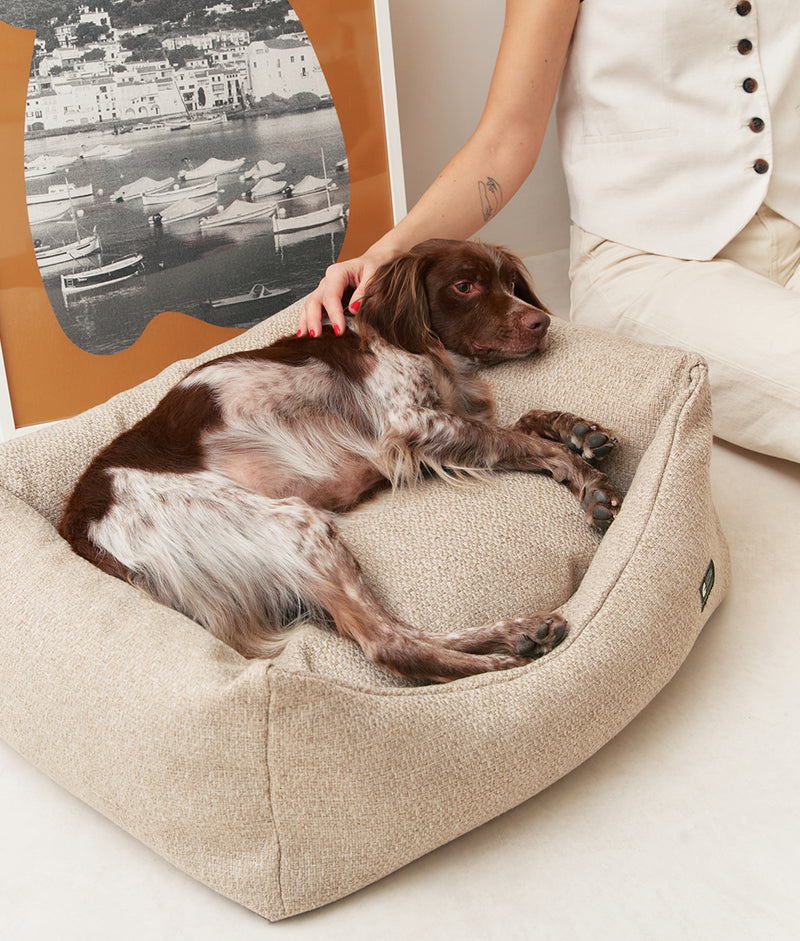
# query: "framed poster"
[[166, 186]]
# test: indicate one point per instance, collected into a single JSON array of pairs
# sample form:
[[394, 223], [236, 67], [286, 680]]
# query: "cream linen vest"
[[678, 118]]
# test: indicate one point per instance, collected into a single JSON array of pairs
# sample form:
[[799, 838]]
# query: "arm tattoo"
[[491, 196]]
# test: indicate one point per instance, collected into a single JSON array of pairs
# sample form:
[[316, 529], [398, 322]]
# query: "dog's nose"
[[535, 321]]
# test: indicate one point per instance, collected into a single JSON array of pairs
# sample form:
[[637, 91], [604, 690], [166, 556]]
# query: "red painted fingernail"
[[337, 329], [311, 333], [354, 306], [299, 333]]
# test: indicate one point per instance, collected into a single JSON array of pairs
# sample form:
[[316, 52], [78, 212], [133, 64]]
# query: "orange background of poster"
[[48, 376]]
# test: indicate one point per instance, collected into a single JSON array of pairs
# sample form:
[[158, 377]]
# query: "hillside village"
[[96, 74]]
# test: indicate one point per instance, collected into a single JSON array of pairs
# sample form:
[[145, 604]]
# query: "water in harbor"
[[184, 266]]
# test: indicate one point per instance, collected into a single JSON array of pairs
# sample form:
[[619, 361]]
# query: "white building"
[[284, 67], [84, 101], [211, 87], [73, 101], [42, 110], [148, 98]]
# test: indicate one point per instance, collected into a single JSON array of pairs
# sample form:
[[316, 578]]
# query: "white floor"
[[686, 826]]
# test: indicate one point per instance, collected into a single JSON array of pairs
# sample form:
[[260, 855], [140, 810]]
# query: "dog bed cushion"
[[289, 783]]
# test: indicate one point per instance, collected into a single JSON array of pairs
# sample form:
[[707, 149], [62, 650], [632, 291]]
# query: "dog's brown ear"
[[396, 308], [523, 286]]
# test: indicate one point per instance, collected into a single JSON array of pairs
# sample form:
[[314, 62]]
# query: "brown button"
[[761, 166], [745, 46], [749, 85], [757, 125], [743, 8]]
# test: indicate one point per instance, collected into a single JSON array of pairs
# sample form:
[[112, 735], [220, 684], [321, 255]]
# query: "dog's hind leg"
[[335, 583], [243, 565]]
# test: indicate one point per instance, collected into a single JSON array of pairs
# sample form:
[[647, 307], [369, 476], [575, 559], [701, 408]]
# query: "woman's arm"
[[483, 176]]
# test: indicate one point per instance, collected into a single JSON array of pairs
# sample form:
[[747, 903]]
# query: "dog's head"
[[472, 299]]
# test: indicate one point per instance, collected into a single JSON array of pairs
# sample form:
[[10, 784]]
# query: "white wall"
[[444, 52]]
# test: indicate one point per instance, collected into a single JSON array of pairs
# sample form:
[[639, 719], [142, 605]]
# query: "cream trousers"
[[740, 311]]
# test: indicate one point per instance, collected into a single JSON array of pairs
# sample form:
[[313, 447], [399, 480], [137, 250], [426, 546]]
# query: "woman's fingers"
[[326, 299]]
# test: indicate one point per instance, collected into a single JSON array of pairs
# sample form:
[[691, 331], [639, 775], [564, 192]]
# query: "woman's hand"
[[327, 298]]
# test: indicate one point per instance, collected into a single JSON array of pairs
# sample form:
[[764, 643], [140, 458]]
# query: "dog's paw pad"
[[600, 507], [589, 441], [535, 641]]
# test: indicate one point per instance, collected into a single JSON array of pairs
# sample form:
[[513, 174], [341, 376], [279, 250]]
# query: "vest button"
[[757, 125], [744, 46], [761, 166], [743, 8], [749, 85]]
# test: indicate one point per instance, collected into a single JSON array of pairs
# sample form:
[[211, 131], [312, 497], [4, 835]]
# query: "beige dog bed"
[[288, 784]]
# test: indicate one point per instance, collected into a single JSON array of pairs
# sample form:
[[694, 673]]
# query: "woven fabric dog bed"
[[287, 784]]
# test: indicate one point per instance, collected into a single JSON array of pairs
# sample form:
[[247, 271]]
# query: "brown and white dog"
[[221, 501]]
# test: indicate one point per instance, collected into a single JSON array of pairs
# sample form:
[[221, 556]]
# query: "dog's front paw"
[[584, 438], [539, 634], [587, 439], [601, 503]]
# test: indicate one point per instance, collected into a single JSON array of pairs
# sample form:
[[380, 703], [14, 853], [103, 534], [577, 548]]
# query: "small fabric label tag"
[[706, 585]]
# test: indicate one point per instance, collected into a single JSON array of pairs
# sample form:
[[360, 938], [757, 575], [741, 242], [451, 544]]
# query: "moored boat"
[[262, 168], [58, 192], [178, 193], [238, 211], [47, 163], [47, 256], [185, 209], [212, 167], [311, 184], [31, 173], [101, 276], [258, 292], [306, 220], [199, 124], [137, 188], [266, 187]]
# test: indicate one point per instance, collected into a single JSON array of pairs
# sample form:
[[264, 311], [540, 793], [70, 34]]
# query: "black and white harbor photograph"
[[179, 156]]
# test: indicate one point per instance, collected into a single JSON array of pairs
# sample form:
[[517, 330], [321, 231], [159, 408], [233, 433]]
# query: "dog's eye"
[[463, 287]]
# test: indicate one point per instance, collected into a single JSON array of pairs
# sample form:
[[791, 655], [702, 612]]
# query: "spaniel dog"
[[221, 502]]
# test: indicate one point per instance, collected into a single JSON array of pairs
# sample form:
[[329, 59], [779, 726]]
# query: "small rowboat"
[[47, 256], [307, 220], [263, 168], [31, 173], [200, 124], [212, 167], [58, 192], [266, 187], [185, 209], [258, 292], [239, 211], [179, 193], [102, 276], [140, 187], [46, 164], [312, 184]]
